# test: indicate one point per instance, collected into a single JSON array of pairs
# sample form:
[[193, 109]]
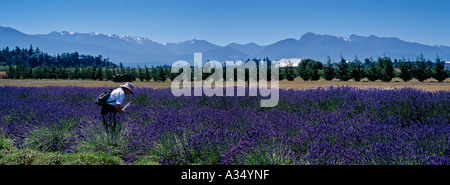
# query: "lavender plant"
[[340, 126]]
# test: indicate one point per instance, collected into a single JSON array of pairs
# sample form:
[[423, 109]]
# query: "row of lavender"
[[339, 126]]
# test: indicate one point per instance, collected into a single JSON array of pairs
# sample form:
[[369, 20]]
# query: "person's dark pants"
[[109, 117]]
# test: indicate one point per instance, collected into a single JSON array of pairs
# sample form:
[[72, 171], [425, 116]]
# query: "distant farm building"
[[286, 62], [447, 65], [3, 75], [122, 78]]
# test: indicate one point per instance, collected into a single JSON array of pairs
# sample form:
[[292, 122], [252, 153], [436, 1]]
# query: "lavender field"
[[62, 125]]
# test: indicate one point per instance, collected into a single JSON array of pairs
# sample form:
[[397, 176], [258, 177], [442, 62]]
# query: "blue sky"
[[241, 21]]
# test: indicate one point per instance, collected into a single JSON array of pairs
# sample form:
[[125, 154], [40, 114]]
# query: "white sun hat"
[[130, 86]]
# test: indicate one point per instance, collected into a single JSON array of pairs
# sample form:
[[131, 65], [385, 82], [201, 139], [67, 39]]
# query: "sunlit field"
[[345, 125]]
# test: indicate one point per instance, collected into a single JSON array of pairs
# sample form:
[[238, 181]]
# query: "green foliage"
[[32, 63], [356, 69], [405, 70], [32, 157], [372, 71], [309, 69], [343, 71], [108, 73], [147, 160], [51, 138], [175, 146], [159, 74], [99, 74], [288, 73], [421, 71], [328, 72], [439, 72], [386, 69], [6, 144], [147, 74], [112, 143], [48, 146], [141, 74]]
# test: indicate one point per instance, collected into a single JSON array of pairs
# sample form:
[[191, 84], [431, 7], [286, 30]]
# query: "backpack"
[[102, 98]]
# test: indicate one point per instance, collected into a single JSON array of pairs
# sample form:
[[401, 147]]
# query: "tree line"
[[383, 68], [30, 63], [33, 63]]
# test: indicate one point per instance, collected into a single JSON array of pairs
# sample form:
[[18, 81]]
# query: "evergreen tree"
[[308, 69], [269, 69], [83, 73], [421, 71], [405, 70], [122, 69], [99, 74], [64, 73], [343, 72], [133, 74], [356, 69], [281, 75], [45, 71], [172, 76], [302, 70], [386, 69], [76, 73], [372, 72], [148, 77], [11, 71], [31, 50], [108, 73], [439, 72], [36, 72], [30, 72], [93, 72], [52, 72], [288, 72], [159, 74], [328, 71], [141, 74]]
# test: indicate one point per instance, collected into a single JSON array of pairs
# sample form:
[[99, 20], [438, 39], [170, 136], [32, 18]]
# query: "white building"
[[447, 65], [284, 62]]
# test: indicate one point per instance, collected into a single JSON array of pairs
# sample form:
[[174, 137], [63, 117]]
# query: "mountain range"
[[143, 51]]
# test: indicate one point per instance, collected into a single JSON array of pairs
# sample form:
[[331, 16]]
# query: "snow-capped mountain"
[[131, 50]]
